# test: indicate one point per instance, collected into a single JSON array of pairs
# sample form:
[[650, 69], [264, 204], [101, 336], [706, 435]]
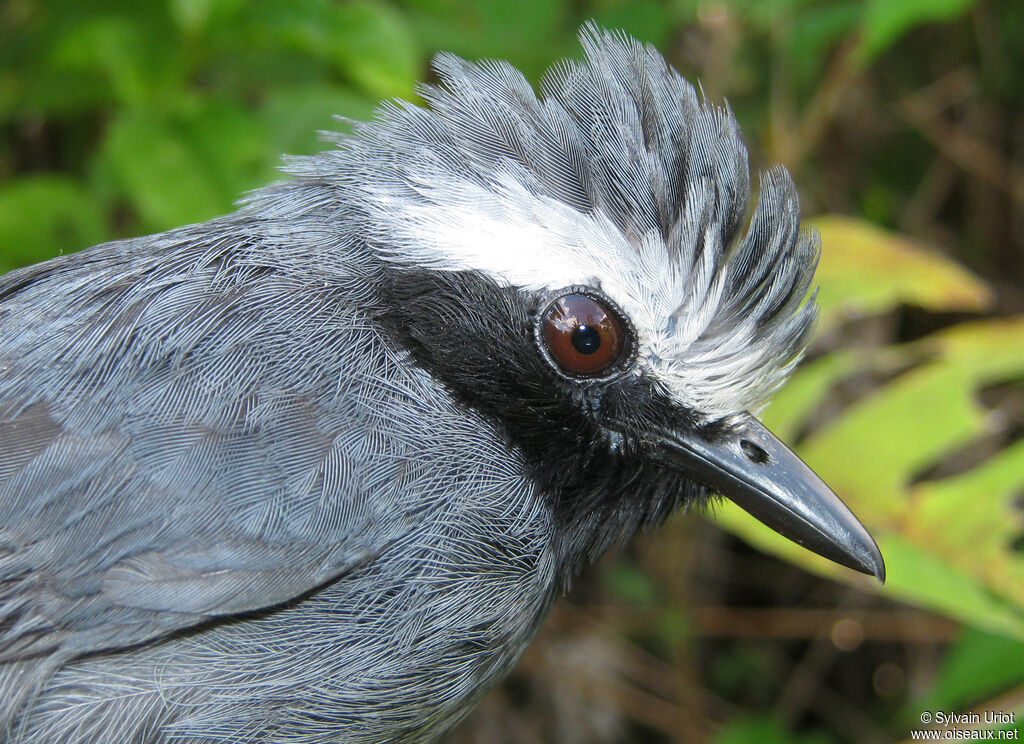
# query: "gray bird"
[[316, 470]]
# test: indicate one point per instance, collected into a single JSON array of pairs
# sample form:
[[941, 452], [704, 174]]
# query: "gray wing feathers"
[[173, 448], [229, 577]]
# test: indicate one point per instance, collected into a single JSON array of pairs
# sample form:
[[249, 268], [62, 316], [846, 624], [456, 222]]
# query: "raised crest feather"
[[614, 173]]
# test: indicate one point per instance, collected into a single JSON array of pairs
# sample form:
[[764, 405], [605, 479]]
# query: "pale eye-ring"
[[584, 337]]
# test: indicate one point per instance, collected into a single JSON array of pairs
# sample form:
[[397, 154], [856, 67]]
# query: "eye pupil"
[[586, 339]]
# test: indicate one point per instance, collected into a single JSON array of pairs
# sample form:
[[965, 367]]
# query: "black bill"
[[752, 467]]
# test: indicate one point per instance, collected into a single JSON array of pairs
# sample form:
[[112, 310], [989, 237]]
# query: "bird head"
[[579, 266]]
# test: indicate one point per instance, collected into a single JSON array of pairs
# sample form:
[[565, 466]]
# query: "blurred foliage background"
[[903, 124]]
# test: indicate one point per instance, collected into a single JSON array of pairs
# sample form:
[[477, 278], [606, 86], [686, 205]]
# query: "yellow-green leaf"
[[865, 270], [950, 544]]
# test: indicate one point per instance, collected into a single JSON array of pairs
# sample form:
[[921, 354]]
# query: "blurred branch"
[[904, 624], [908, 626], [933, 189], [806, 686], [793, 142], [600, 664], [923, 110]]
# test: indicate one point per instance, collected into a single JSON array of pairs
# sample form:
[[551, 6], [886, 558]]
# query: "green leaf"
[[368, 42], [231, 145], [297, 114], [193, 16], [156, 169], [920, 576], [527, 33], [885, 21], [43, 216], [812, 34], [908, 424], [373, 45], [795, 402], [138, 64], [763, 730], [865, 270], [647, 20], [949, 543], [176, 168], [976, 666]]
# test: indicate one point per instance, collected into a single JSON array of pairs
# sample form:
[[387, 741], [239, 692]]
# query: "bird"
[[316, 470]]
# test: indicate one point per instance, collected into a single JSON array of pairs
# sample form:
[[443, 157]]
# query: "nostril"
[[753, 452]]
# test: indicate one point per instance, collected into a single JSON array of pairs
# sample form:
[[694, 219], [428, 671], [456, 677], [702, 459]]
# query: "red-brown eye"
[[584, 337]]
